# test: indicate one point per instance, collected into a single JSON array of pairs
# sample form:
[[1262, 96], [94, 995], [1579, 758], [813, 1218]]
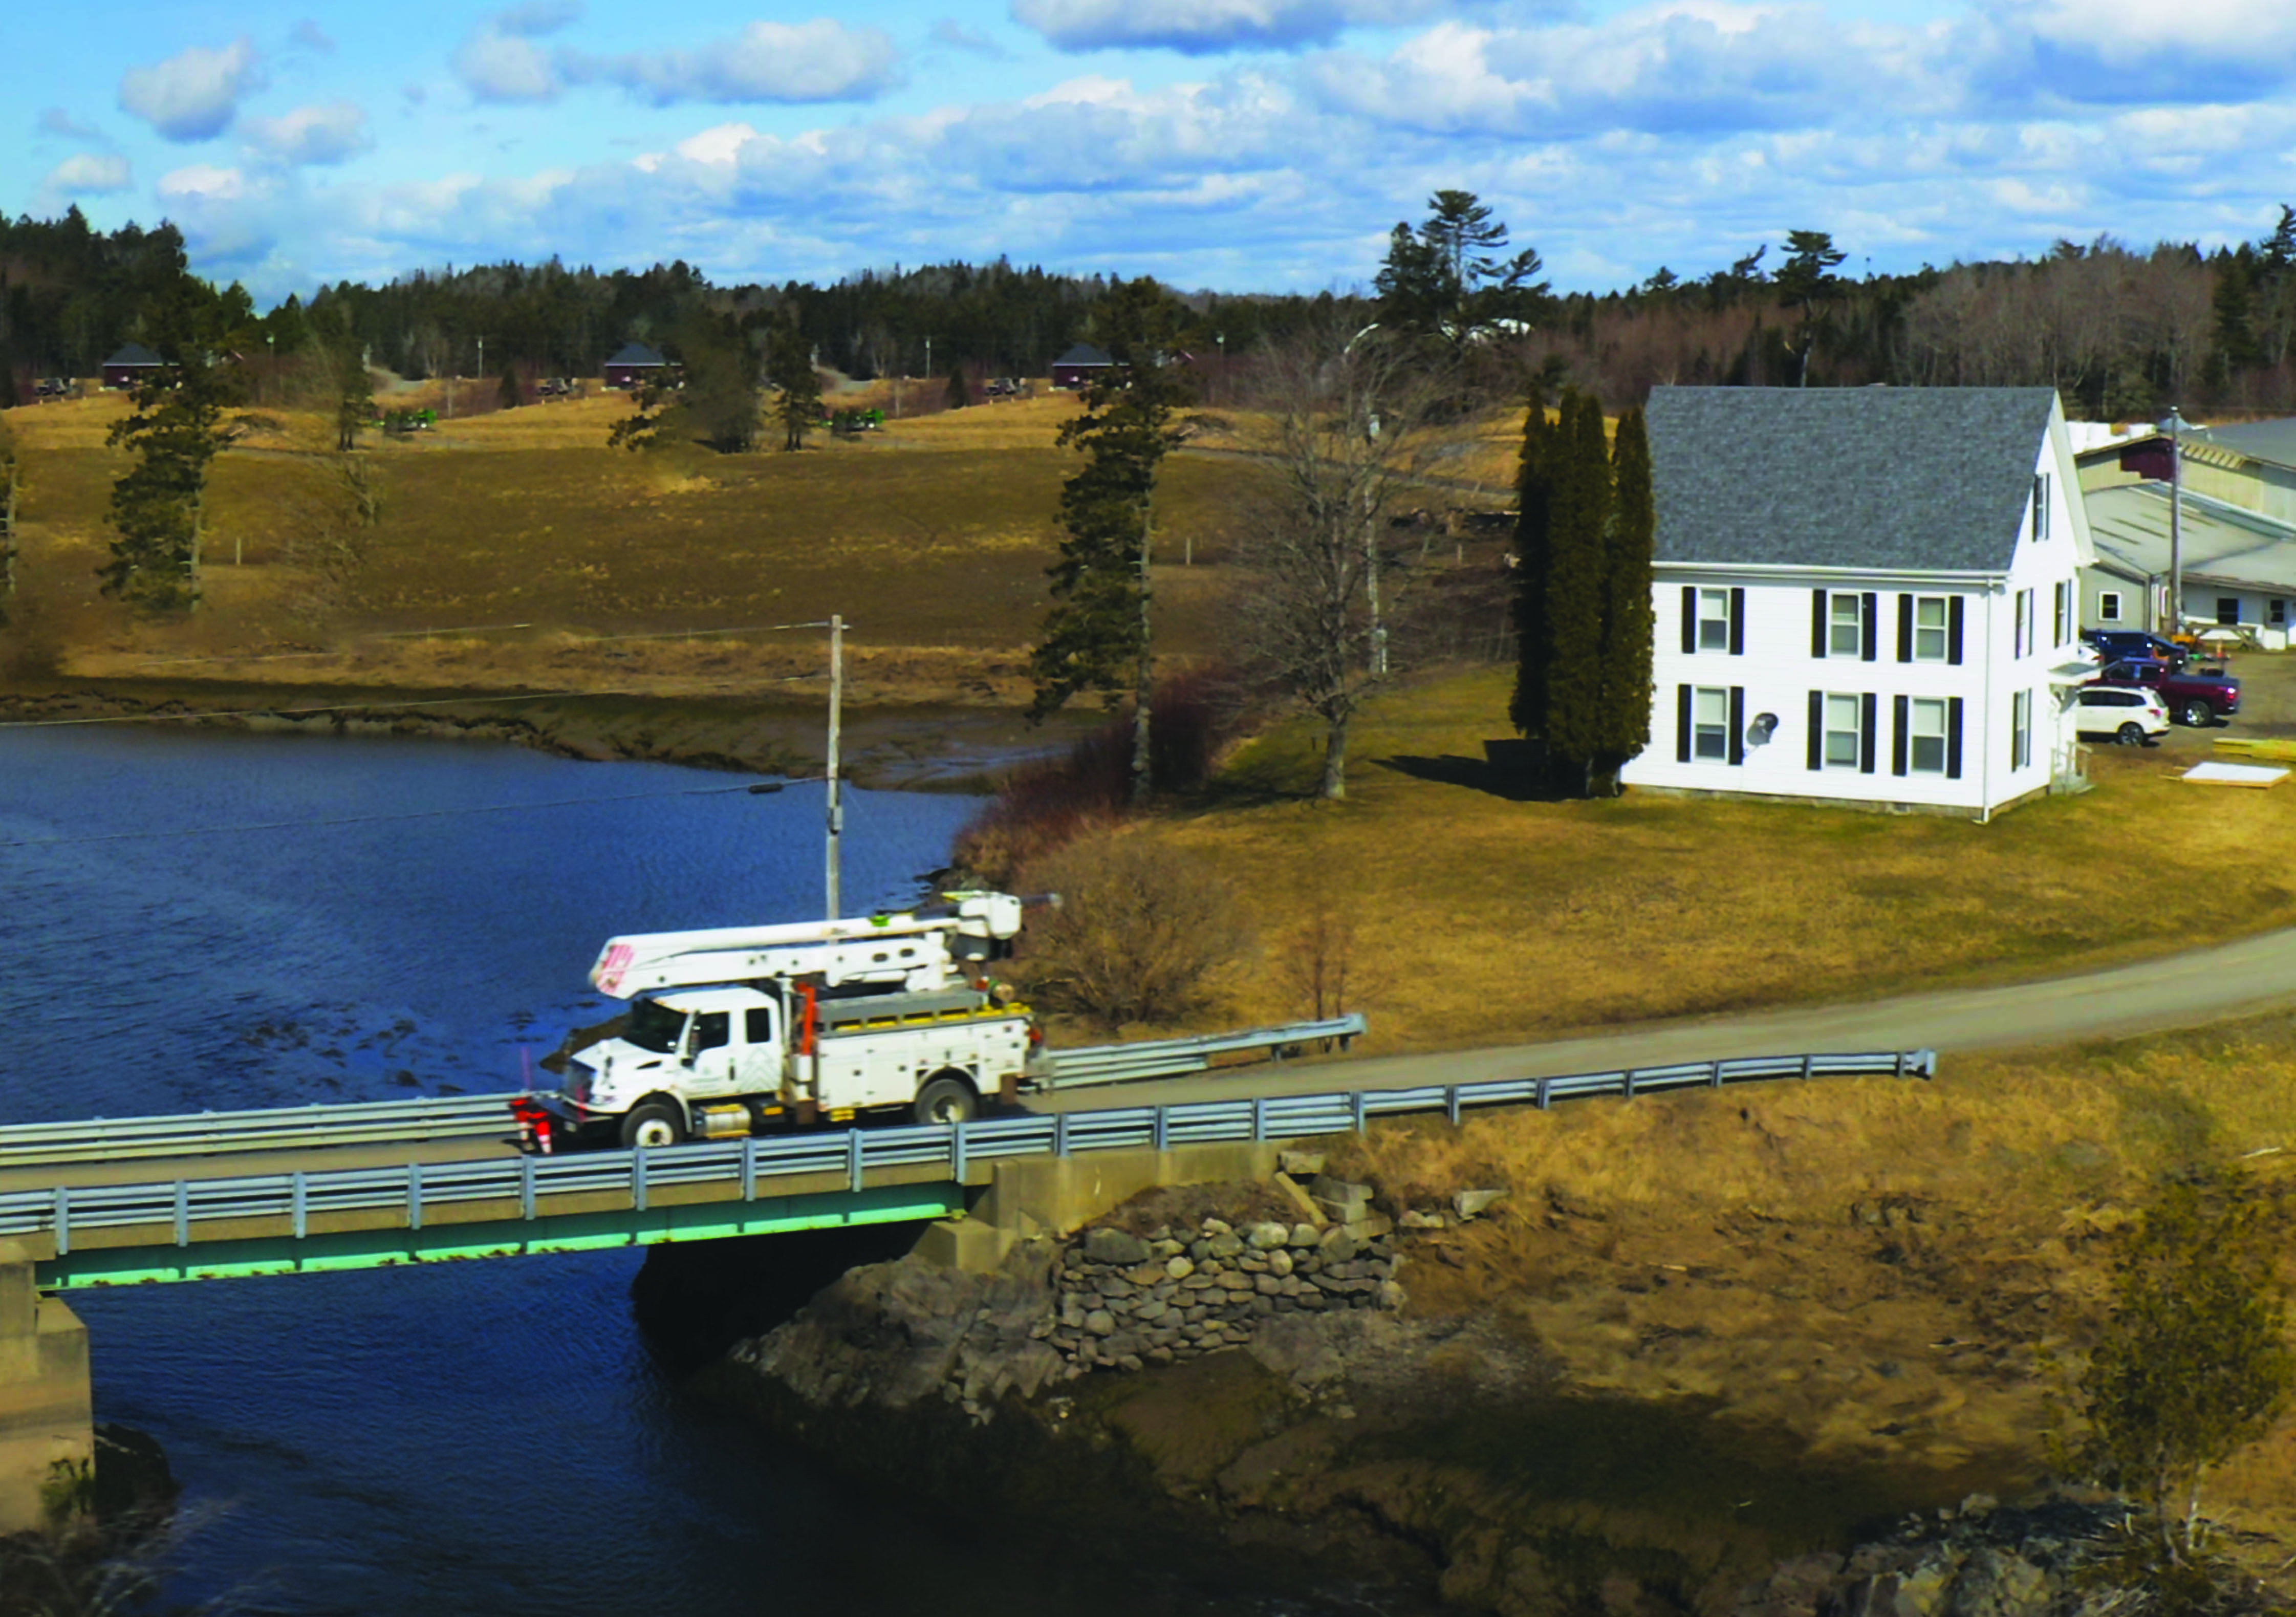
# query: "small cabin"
[[130, 366], [1081, 367], [634, 366]]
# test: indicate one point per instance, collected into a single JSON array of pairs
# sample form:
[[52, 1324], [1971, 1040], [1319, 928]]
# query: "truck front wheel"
[[947, 1099], [655, 1123]]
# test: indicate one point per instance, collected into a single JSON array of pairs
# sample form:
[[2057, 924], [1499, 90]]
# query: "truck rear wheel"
[[655, 1123], [947, 1099]]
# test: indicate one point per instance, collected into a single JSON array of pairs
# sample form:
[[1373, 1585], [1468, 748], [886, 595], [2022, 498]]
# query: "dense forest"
[[2121, 332]]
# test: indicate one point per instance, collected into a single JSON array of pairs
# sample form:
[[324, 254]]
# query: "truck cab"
[[684, 1050]]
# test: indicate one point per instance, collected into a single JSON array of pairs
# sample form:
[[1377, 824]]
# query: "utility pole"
[[929, 370], [2176, 522], [836, 806], [1371, 555]]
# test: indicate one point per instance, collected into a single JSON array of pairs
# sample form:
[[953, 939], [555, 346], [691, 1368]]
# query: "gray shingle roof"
[[135, 353], [1921, 479], [1084, 353], [636, 353]]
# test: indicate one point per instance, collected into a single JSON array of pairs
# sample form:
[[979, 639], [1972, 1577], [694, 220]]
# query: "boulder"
[[1305, 1235], [1474, 1204], [1300, 1164], [1113, 1246], [1267, 1238], [1179, 1267], [1343, 1199], [1100, 1322]]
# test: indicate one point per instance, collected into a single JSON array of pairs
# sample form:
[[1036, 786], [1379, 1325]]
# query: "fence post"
[[1163, 1127], [62, 1220], [1259, 1120], [853, 1160], [749, 1167], [302, 1204], [1451, 1104], [956, 1150], [1901, 1064], [414, 1195], [526, 1188], [1714, 1075], [1626, 1085], [1355, 1109], [1805, 1066], [183, 1212], [1538, 1093], [1060, 1134], [638, 1179]]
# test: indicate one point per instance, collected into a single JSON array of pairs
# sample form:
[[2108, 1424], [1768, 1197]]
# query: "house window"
[[1843, 737], [2108, 606], [1713, 619], [2062, 600], [2024, 625], [1926, 752], [2041, 507], [1929, 628], [2021, 729], [2227, 609], [1845, 631], [1710, 725], [2276, 612]]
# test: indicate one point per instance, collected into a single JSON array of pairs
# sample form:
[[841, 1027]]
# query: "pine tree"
[[1806, 283], [1534, 498], [1097, 634], [1576, 593], [508, 396], [959, 395], [1628, 623], [788, 366]]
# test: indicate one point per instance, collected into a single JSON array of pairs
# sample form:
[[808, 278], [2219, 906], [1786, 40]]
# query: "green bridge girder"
[[320, 1251]]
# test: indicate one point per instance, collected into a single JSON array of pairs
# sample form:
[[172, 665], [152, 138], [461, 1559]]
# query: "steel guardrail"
[[274, 1128], [1176, 1057], [184, 1204]]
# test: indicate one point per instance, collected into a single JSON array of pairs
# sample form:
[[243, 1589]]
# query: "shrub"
[[1142, 934]]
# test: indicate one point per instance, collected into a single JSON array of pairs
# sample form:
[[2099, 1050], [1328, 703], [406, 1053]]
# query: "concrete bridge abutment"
[[1031, 1198], [48, 1420]]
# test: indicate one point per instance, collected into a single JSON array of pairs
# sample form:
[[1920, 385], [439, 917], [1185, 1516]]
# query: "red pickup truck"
[[2196, 695]]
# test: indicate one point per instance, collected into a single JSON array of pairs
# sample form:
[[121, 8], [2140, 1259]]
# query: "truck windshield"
[[654, 1026]]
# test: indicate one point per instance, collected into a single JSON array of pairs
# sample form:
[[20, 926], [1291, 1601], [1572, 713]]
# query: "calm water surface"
[[475, 1438]]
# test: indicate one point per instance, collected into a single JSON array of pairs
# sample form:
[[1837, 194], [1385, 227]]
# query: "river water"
[[193, 920]]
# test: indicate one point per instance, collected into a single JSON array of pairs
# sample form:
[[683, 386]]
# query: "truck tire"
[[2197, 713], [947, 1098], [655, 1123]]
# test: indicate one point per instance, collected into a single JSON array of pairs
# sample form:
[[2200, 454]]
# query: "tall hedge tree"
[[1535, 497], [1629, 622], [12, 491], [1576, 595]]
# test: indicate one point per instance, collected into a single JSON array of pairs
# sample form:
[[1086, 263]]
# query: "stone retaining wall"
[[1126, 1301]]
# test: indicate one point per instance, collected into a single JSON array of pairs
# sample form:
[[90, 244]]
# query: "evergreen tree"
[[508, 396], [1096, 635], [1534, 499], [1628, 623], [1447, 281], [788, 366], [959, 394], [1576, 583], [182, 420], [1807, 285]]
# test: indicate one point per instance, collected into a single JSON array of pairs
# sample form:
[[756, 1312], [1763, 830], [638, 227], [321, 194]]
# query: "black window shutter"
[[1737, 724], [1870, 612], [1905, 628], [1817, 623], [1901, 717], [1818, 729], [1953, 739], [1865, 726], [1682, 724], [1689, 620], [1953, 631], [1737, 623]]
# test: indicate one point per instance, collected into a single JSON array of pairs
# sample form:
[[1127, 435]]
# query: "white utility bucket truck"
[[736, 1029]]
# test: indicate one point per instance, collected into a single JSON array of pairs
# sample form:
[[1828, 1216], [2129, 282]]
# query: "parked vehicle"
[[2194, 695], [2128, 714], [2119, 643]]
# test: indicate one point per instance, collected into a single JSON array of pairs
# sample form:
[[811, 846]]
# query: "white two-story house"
[[1865, 596]]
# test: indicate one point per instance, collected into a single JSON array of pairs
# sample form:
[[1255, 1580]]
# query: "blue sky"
[[1244, 144]]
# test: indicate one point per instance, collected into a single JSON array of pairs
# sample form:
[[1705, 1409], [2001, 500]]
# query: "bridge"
[[211, 1196]]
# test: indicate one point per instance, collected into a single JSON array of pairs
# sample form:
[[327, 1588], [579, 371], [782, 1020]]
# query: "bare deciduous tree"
[[1352, 421]]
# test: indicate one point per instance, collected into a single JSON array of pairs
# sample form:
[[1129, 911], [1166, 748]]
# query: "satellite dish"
[[1758, 733]]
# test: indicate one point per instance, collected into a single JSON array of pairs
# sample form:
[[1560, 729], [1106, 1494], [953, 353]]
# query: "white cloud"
[[86, 173], [505, 68], [202, 182], [56, 121], [329, 133], [1208, 27], [823, 60], [192, 95]]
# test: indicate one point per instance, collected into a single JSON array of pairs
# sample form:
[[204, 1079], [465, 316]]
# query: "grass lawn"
[[1483, 921]]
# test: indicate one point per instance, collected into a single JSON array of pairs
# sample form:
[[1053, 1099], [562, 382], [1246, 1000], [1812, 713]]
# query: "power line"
[[759, 788]]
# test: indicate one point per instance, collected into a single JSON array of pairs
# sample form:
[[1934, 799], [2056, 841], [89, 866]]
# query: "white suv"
[[2128, 714]]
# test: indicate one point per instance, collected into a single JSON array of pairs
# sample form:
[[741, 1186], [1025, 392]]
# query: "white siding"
[[1777, 669]]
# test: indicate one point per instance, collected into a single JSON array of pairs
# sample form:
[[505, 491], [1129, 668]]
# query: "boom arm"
[[916, 950]]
